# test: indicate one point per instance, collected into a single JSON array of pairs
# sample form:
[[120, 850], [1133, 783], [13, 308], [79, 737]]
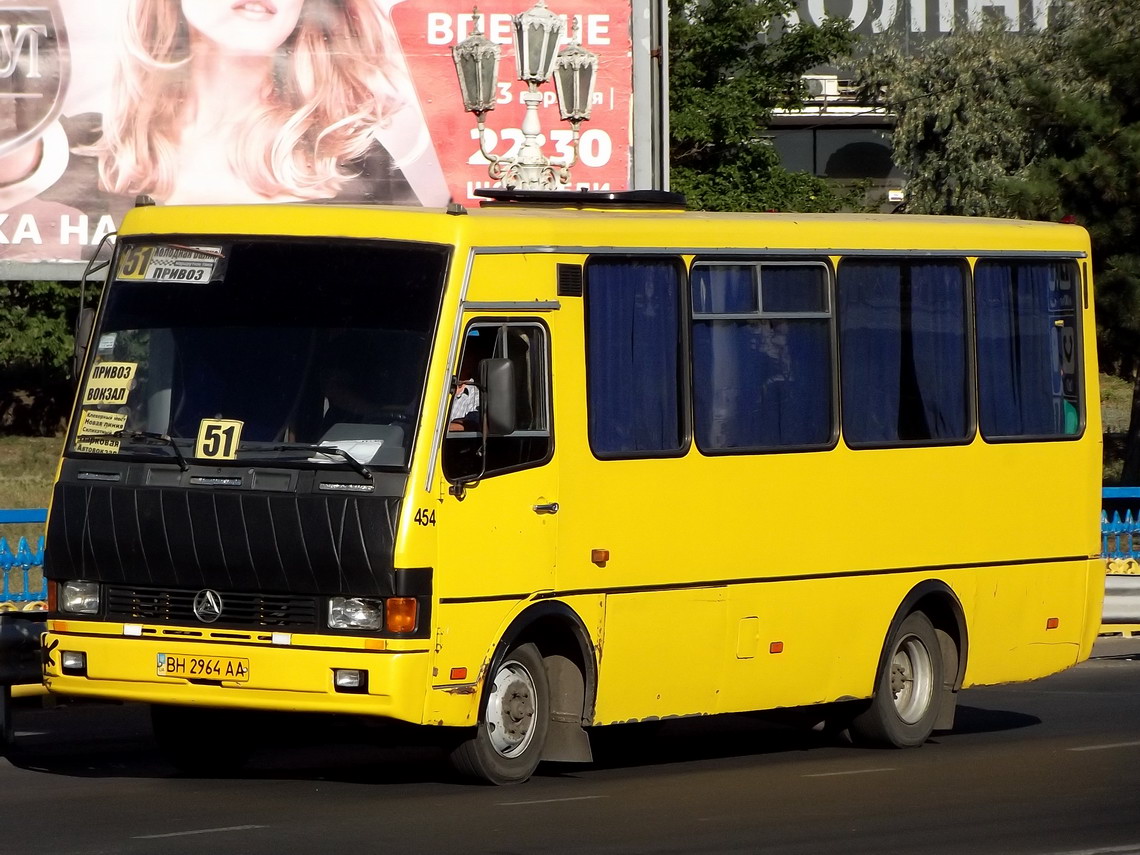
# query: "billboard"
[[263, 101]]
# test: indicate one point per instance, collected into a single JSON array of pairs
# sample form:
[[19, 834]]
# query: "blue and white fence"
[[1120, 544], [21, 567], [1120, 536]]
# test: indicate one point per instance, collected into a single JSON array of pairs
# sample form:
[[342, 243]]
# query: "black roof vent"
[[645, 199]]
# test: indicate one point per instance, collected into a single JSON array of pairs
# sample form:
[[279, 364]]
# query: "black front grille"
[[173, 605]]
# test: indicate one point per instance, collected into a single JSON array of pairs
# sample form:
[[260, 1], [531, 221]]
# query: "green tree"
[[729, 69], [38, 319], [963, 125], [1044, 125], [1090, 122]]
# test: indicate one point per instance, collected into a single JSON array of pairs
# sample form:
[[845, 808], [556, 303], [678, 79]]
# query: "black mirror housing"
[[497, 379]]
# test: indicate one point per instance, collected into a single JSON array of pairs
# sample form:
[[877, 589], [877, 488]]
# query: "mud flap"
[[947, 705], [567, 742]]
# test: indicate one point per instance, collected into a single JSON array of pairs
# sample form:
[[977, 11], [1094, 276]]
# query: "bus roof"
[[570, 230]]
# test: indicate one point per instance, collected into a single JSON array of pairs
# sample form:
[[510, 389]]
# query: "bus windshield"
[[262, 350]]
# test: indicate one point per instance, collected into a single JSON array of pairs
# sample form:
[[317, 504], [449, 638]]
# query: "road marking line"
[[197, 831], [549, 801], [1104, 748], [852, 772], [1106, 850], [20, 733]]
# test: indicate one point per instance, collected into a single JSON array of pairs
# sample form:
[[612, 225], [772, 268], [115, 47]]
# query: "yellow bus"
[[560, 462]]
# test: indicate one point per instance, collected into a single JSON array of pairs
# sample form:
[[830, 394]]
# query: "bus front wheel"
[[508, 741], [905, 704]]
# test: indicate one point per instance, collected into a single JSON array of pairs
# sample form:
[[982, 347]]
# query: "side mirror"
[[82, 340], [497, 378]]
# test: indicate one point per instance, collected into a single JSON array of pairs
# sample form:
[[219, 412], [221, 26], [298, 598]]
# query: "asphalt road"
[[1051, 767]]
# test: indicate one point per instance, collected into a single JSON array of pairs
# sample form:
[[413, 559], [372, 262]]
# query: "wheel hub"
[[511, 710], [518, 709], [912, 680]]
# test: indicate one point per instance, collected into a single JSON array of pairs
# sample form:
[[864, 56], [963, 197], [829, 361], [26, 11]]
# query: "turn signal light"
[[400, 614], [1052, 623], [776, 647]]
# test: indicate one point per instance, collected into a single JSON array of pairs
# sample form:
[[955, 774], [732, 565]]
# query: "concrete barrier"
[[1121, 600]]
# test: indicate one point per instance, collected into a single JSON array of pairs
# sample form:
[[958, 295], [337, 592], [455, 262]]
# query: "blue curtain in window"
[[633, 354], [870, 346], [762, 383], [938, 347], [1018, 366], [903, 351]]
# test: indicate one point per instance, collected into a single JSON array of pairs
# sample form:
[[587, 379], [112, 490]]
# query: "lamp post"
[[535, 35]]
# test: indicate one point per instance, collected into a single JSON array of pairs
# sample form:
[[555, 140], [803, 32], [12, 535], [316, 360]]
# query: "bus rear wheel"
[[509, 739], [905, 704]]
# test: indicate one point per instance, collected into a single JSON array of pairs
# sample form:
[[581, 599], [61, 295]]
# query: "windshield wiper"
[[139, 436], [314, 448]]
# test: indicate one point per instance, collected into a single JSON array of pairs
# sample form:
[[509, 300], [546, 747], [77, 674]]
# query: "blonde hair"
[[334, 81]]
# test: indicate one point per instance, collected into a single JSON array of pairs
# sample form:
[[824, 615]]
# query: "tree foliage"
[[963, 123], [37, 319], [729, 68], [1090, 171], [1044, 125]]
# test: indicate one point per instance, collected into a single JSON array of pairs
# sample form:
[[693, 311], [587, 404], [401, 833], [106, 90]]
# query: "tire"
[[513, 722], [202, 741], [904, 707]]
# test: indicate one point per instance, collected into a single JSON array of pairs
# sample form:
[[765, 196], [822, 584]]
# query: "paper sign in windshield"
[[361, 450], [93, 423], [169, 263], [109, 383]]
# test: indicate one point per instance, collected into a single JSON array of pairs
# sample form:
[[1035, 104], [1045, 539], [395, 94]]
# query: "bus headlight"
[[80, 598], [356, 613]]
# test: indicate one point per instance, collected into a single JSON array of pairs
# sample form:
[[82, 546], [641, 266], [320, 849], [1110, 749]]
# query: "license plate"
[[203, 667]]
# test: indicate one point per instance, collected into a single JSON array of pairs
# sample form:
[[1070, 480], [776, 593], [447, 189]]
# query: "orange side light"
[[1052, 623], [458, 673], [53, 595], [776, 647], [400, 614], [599, 556]]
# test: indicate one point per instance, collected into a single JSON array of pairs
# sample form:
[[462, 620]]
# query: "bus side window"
[[1028, 349], [464, 452]]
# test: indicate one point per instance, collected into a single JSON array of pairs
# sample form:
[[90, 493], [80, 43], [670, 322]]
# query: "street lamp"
[[535, 34]]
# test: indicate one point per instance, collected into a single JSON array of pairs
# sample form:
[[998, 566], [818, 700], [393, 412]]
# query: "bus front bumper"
[[268, 676]]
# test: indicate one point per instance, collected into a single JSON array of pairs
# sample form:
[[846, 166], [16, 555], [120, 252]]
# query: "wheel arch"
[[941, 605], [937, 600], [572, 670]]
